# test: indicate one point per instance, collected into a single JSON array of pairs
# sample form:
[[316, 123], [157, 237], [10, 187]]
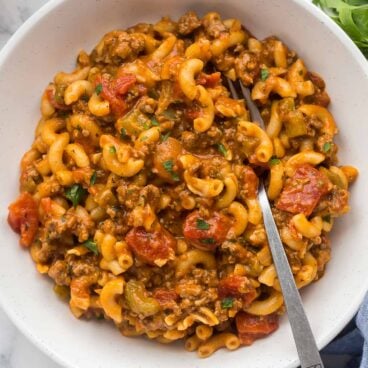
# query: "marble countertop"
[[16, 351]]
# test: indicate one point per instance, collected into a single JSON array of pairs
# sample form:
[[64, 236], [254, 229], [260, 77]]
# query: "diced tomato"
[[113, 90], [82, 174], [238, 287], [23, 218], [50, 93], [154, 248], [165, 297], [124, 83], [206, 233], [303, 191], [45, 204], [251, 328], [249, 297], [250, 182], [232, 285], [209, 80], [192, 112]]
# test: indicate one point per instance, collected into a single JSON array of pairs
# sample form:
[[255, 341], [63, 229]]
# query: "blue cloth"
[[352, 342]]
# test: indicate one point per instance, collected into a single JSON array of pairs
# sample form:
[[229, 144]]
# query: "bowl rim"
[[307, 6]]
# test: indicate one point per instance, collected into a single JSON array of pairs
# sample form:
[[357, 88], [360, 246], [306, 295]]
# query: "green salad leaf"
[[351, 16]]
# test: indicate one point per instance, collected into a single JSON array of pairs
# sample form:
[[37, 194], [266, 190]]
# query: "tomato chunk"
[[250, 182], [113, 90], [154, 248], [251, 328], [165, 297], [206, 233], [50, 93], [303, 191], [238, 287], [209, 80], [193, 112], [23, 218]]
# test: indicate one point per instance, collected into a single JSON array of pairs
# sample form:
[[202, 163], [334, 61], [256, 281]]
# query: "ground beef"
[[247, 67], [87, 266], [59, 271], [188, 23]]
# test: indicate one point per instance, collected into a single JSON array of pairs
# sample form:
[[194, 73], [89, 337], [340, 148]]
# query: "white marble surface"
[[15, 350]]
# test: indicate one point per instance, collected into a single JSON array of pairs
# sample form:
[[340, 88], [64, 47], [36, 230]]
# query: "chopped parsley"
[[123, 133], [93, 179], [221, 148], [327, 218], [202, 224], [169, 166], [264, 74], [175, 176], [129, 192], [169, 114], [98, 89], [112, 149], [154, 121], [227, 303], [208, 241], [153, 94], [75, 194], [146, 125], [165, 136], [327, 147], [92, 246], [274, 161], [144, 138]]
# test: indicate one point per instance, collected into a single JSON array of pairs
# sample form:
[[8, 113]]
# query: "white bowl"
[[47, 43]]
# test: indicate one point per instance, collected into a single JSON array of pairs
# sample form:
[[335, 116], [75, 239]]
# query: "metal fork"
[[302, 332]]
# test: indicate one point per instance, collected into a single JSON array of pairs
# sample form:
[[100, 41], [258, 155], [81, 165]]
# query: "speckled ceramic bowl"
[[47, 43]]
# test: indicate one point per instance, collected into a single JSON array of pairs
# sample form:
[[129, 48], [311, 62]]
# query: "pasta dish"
[[138, 196]]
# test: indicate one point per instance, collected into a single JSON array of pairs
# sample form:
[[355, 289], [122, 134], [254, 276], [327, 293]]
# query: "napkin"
[[351, 345]]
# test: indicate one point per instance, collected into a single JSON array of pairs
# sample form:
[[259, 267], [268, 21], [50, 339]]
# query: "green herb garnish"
[[175, 176], [93, 179], [264, 74], [351, 16], [92, 246], [208, 241], [123, 133], [227, 303], [98, 89], [274, 161], [165, 136], [221, 148], [154, 121], [326, 218], [327, 147], [75, 194], [202, 224], [169, 114], [112, 149], [169, 166]]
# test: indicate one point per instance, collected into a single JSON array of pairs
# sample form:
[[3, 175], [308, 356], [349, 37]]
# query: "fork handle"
[[303, 336]]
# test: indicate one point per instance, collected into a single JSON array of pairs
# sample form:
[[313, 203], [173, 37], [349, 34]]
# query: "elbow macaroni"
[[139, 192]]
